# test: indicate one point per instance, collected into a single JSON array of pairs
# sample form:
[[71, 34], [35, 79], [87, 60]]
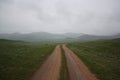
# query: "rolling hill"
[[44, 36]]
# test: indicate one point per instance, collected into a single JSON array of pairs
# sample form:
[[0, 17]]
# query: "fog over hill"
[[45, 36], [38, 36]]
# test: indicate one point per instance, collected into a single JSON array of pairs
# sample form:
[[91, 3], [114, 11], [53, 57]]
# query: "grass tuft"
[[64, 72]]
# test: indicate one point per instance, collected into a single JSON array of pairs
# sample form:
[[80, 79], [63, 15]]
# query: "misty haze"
[[59, 39], [99, 17]]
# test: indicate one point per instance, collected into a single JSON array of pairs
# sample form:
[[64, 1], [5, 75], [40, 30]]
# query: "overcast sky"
[[101, 17]]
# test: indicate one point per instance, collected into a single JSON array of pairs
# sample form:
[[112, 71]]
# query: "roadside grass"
[[63, 72], [102, 57], [18, 60]]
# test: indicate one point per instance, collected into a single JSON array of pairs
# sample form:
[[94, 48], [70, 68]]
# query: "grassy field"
[[102, 57], [19, 59]]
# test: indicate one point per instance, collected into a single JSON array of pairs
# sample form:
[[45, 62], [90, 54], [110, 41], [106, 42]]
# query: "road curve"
[[76, 68], [50, 69]]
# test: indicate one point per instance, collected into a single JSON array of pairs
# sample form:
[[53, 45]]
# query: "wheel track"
[[76, 68], [50, 69]]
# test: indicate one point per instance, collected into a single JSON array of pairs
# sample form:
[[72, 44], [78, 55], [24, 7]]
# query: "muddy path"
[[50, 69], [76, 68]]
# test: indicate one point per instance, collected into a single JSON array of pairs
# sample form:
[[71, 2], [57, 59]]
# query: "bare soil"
[[76, 68], [50, 69]]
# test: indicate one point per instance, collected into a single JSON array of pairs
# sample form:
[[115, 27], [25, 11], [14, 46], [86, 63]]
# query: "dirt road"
[[76, 68], [50, 69]]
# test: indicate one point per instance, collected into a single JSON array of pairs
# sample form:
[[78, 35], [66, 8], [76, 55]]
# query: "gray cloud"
[[100, 17]]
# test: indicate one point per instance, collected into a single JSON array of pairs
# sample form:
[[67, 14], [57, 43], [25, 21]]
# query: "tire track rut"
[[76, 68], [50, 69]]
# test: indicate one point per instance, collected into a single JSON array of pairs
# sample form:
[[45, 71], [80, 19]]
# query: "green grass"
[[64, 72], [102, 57], [19, 59]]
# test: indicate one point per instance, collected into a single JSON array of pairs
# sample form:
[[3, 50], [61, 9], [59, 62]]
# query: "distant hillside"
[[38, 36], [95, 37], [44, 36]]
